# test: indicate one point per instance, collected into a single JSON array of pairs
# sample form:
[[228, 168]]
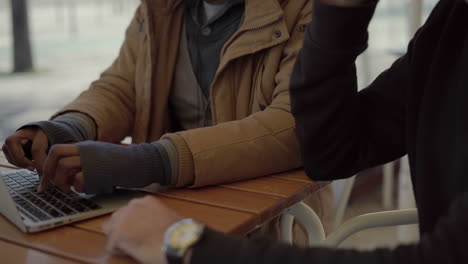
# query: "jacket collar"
[[167, 5], [257, 12]]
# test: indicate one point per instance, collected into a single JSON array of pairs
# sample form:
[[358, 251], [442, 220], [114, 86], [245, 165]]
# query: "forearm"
[[219, 248], [264, 143], [343, 131], [324, 94]]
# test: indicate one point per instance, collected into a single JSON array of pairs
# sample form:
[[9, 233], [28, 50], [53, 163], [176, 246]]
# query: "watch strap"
[[174, 259]]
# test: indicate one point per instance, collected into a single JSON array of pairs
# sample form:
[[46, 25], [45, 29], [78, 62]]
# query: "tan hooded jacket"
[[253, 132]]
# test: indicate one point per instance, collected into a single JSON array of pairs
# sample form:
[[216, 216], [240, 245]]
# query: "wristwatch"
[[180, 238]]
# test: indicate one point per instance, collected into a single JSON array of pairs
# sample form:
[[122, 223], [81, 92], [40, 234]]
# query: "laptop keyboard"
[[49, 204]]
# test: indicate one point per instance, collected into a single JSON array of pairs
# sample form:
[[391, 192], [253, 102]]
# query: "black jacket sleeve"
[[445, 245], [343, 131]]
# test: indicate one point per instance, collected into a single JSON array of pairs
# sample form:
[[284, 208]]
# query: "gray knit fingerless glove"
[[106, 166], [61, 131]]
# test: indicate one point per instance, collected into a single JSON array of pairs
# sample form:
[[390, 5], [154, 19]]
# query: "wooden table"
[[236, 208]]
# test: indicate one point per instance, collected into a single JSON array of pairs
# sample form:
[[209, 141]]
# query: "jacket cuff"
[[173, 157], [186, 165], [340, 28]]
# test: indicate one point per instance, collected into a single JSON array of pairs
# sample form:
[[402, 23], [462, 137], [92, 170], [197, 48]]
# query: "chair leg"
[[286, 226], [309, 219], [343, 201], [387, 186]]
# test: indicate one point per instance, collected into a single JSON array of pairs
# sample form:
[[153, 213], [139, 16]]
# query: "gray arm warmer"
[[70, 127], [106, 165]]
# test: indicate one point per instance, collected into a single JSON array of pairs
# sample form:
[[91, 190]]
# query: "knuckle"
[[9, 140], [148, 198], [133, 202], [136, 203]]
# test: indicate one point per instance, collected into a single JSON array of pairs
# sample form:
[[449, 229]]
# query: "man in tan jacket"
[[203, 82]]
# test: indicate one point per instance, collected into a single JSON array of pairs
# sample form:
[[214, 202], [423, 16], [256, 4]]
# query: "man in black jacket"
[[417, 107]]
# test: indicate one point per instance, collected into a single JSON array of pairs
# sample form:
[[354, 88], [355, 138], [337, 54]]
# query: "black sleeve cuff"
[[215, 247], [340, 28]]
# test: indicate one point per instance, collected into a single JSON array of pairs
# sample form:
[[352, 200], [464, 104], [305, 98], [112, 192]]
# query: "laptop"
[[32, 212]]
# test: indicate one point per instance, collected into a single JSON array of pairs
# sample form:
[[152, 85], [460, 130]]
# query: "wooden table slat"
[[11, 253], [279, 187], [297, 175], [221, 219], [265, 206], [68, 242]]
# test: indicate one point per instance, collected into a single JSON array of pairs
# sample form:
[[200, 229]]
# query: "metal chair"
[[316, 233], [314, 228]]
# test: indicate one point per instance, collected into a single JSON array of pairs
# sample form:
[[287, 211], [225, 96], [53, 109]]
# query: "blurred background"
[[71, 42]]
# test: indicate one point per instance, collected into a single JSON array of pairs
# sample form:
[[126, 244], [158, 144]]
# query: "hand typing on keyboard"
[[45, 205], [62, 168], [27, 148], [98, 167]]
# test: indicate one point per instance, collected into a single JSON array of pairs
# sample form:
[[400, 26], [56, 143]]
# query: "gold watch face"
[[183, 235]]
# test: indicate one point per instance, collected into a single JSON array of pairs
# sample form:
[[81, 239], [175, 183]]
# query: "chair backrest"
[[372, 220]]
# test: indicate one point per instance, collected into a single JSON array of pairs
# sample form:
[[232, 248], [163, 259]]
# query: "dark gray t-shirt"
[[208, 28]]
